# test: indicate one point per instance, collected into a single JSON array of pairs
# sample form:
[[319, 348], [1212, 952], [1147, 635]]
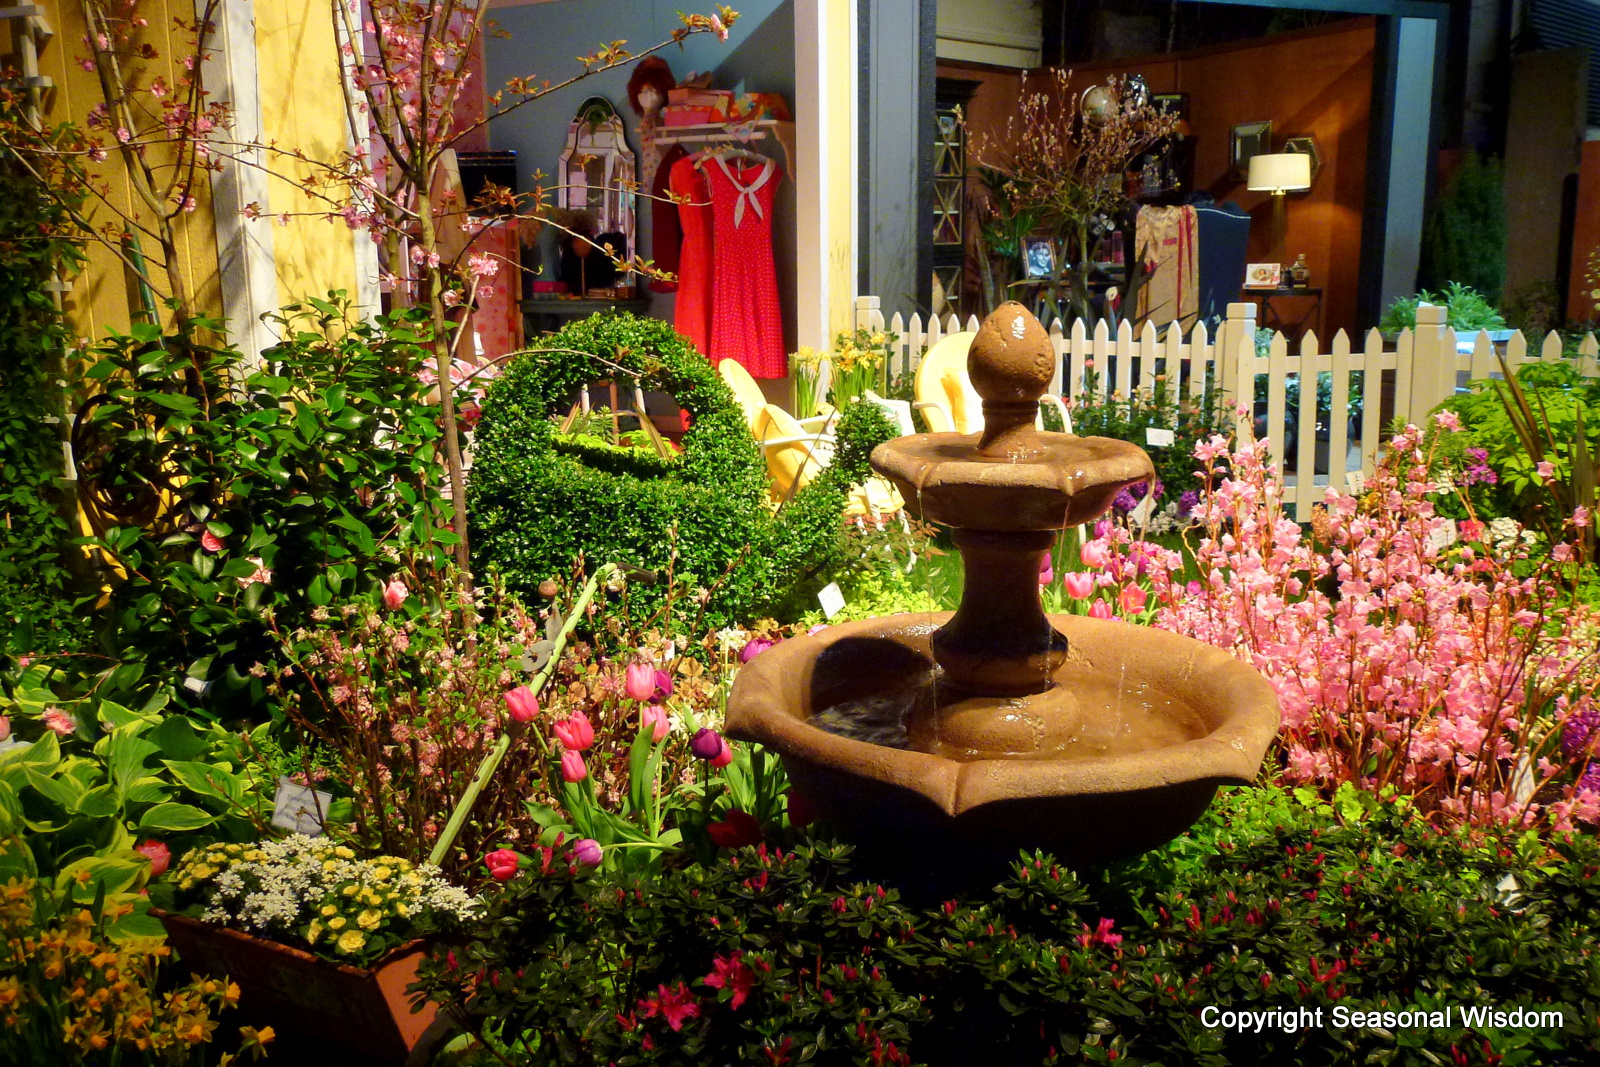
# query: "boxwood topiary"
[[535, 506]]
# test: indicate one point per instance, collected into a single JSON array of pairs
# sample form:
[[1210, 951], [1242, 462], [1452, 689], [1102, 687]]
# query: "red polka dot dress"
[[746, 323]]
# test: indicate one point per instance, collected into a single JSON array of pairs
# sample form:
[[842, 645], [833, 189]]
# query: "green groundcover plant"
[[703, 518], [1274, 902]]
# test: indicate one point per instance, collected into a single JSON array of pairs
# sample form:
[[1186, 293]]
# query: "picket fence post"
[[1236, 354], [1433, 363]]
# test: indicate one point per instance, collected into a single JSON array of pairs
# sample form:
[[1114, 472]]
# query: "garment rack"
[[736, 133]]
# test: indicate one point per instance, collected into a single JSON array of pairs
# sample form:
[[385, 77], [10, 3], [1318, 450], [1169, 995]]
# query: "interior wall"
[[543, 39], [1544, 134], [1314, 82], [1581, 307]]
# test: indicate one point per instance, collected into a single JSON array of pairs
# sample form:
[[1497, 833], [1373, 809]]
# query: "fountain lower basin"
[[1138, 730]]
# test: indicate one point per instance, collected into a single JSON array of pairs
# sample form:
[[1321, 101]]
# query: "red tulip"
[[738, 830], [573, 769], [723, 758], [575, 734], [640, 681], [394, 594], [653, 717], [502, 864], [1133, 599], [160, 856], [522, 703]]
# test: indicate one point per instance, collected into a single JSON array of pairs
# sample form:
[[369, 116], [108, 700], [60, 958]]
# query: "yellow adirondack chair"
[[945, 395]]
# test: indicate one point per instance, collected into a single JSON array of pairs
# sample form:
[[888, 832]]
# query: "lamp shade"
[[1280, 172]]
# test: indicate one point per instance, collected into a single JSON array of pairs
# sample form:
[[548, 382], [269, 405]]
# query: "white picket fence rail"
[[1409, 380]]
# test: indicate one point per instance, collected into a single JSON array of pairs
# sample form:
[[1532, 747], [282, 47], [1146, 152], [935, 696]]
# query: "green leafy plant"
[[1467, 310], [311, 477], [1192, 420], [703, 520], [1465, 236], [786, 957]]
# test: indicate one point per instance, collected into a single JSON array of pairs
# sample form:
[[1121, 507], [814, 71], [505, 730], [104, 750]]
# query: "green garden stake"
[[502, 744]]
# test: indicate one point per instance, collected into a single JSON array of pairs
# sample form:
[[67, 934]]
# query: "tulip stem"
[[502, 745]]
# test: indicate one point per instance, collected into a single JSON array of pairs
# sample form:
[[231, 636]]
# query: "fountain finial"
[[1010, 363]]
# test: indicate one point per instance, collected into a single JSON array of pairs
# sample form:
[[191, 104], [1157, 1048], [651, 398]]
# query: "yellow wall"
[[840, 182], [302, 106], [100, 296]]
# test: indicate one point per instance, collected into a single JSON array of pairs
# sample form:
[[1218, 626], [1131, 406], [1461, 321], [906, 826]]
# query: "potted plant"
[[322, 943], [1468, 313]]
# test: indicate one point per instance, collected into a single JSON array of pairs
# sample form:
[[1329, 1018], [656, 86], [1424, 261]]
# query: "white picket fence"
[[1409, 380]]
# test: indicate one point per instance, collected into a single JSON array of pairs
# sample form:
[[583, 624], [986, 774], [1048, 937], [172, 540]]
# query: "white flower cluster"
[[1504, 533], [281, 885]]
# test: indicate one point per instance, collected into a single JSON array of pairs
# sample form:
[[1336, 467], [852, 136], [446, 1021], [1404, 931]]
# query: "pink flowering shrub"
[[1460, 675]]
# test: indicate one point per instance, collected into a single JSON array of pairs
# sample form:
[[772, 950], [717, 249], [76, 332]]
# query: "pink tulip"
[[210, 542], [588, 852], [394, 594], [723, 758], [522, 703], [1078, 584], [1047, 572], [160, 856], [653, 717], [1099, 610], [754, 647], [502, 864], [1095, 555], [575, 734], [5, 728], [1133, 599], [640, 681], [817, 629], [573, 769], [706, 744]]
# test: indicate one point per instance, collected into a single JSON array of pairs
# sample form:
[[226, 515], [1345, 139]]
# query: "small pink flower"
[[573, 769], [588, 852], [394, 594], [640, 681], [59, 721], [1546, 469], [502, 864], [753, 648], [1099, 610], [522, 703], [1133, 599], [576, 733], [210, 542], [1448, 420], [160, 856], [1078, 584], [653, 717], [5, 728]]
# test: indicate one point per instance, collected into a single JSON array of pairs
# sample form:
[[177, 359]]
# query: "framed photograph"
[[1305, 146], [1171, 104], [1039, 257], [1249, 139], [1263, 276]]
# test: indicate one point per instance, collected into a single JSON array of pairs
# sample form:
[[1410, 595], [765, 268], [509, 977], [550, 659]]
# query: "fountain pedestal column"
[[1000, 643]]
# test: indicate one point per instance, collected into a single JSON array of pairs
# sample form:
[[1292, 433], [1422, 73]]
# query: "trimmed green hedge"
[[534, 508]]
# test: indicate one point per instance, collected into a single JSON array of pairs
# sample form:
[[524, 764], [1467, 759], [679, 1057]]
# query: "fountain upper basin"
[[982, 803]]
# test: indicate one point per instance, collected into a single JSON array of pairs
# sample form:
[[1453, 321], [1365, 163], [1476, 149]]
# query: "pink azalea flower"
[[59, 721], [675, 1005], [733, 974], [394, 594], [502, 864]]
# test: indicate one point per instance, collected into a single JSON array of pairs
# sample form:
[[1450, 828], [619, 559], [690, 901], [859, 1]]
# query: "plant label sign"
[[1156, 437], [300, 808], [832, 599]]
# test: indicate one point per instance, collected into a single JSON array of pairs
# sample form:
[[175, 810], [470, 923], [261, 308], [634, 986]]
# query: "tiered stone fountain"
[[943, 743]]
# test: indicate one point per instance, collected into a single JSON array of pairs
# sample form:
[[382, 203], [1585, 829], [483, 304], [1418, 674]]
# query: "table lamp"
[[1279, 173]]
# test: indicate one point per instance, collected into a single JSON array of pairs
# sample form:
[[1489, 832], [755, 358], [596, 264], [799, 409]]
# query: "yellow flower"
[[381, 874], [401, 910], [336, 923], [203, 870], [369, 919], [314, 931], [350, 890], [330, 909], [329, 865], [351, 941]]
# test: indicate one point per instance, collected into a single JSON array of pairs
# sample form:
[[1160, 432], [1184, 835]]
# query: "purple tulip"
[[706, 744], [587, 851], [663, 686]]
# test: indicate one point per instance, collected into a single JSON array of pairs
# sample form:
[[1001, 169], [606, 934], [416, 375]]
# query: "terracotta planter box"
[[355, 1014]]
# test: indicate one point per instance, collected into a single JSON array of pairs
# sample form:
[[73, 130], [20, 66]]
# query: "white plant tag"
[[1443, 536], [832, 599], [300, 808], [1146, 507], [1156, 437]]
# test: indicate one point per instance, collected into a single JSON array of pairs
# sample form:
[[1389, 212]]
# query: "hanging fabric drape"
[[1167, 240]]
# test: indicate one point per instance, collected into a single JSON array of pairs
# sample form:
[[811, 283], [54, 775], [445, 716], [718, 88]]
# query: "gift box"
[[718, 99], [687, 115]]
